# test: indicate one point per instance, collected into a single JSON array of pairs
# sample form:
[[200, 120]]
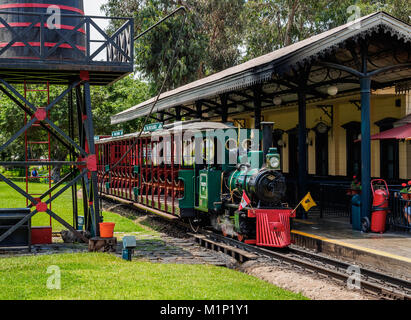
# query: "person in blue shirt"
[[34, 173]]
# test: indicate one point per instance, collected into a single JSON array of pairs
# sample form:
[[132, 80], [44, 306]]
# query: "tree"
[[273, 24], [213, 38], [120, 96], [219, 34], [106, 101], [209, 39], [221, 24]]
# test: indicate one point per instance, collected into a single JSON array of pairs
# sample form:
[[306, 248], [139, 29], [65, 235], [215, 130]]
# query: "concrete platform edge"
[[390, 263]]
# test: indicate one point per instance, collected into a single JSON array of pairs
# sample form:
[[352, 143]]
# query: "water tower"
[[46, 44]]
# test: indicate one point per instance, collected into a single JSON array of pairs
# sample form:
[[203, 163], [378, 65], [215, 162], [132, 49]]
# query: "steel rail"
[[385, 291], [365, 272], [393, 289]]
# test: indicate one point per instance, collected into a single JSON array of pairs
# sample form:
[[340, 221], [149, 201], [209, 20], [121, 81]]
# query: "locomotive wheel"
[[224, 231], [222, 227], [240, 237]]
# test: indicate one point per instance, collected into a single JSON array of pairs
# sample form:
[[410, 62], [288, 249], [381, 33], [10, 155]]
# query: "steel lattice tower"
[[70, 62]]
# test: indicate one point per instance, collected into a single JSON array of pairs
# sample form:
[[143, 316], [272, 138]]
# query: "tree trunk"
[[290, 22]]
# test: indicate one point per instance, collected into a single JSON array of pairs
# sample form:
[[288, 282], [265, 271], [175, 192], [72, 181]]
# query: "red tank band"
[[38, 44], [28, 24], [39, 5]]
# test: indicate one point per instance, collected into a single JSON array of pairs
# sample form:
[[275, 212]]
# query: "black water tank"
[[19, 22]]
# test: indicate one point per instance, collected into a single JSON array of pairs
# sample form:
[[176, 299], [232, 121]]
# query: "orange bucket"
[[107, 229]]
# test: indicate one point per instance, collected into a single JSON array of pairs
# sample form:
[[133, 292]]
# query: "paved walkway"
[[166, 249], [159, 248]]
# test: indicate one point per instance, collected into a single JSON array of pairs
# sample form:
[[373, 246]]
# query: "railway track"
[[379, 284]]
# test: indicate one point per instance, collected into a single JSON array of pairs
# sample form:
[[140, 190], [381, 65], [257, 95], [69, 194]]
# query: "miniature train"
[[206, 173]]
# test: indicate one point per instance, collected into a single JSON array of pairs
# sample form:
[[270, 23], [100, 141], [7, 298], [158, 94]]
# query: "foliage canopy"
[[216, 35]]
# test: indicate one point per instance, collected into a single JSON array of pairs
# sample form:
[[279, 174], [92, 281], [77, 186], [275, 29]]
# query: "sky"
[[92, 8]]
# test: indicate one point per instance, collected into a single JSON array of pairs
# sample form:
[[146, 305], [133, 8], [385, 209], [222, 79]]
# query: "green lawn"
[[104, 276], [62, 207]]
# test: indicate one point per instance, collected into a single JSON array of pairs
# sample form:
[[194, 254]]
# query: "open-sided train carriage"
[[207, 173]]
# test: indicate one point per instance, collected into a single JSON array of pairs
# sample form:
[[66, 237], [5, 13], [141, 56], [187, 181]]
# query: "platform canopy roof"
[[232, 91]]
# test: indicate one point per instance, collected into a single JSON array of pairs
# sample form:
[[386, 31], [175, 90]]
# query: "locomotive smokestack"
[[267, 128]]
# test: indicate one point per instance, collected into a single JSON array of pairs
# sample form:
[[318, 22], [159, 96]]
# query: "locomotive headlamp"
[[274, 162], [273, 159]]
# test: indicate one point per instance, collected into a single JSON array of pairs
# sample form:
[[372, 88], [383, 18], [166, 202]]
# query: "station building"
[[333, 141], [333, 133], [312, 91], [329, 97]]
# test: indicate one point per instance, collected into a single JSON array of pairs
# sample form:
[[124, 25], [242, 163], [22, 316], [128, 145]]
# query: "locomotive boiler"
[[201, 172]]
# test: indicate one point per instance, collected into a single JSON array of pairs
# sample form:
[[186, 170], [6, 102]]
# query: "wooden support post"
[[365, 87], [98, 244]]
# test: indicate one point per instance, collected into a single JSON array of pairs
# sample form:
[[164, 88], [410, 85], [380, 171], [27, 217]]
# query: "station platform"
[[389, 252]]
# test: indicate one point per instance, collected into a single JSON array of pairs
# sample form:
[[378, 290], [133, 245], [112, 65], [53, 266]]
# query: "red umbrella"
[[399, 133]]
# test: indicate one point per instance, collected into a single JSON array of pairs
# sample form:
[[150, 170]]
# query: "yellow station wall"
[[382, 106]]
